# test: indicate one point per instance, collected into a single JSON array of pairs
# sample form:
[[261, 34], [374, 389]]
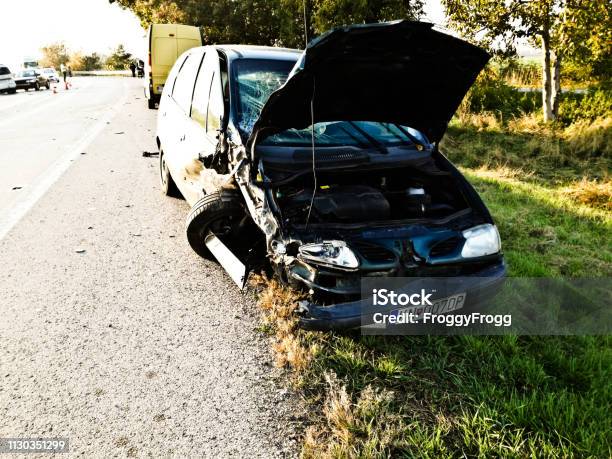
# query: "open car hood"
[[399, 72]]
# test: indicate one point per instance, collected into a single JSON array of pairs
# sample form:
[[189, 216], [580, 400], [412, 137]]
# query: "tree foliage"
[[92, 62], [54, 55], [568, 29], [119, 60], [269, 22]]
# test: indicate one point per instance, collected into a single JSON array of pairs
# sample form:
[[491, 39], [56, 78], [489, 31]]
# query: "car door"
[[178, 115], [207, 115]]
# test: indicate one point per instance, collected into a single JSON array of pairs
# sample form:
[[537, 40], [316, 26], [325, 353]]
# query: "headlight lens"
[[481, 240], [335, 253]]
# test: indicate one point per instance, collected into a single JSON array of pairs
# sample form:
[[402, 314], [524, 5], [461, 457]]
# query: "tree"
[[269, 22], [546, 23], [92, 62], [119, 59], [54, 55], [76, 61]]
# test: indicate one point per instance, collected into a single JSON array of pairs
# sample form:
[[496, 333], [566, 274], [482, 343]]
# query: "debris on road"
[[17, 188], [80, 250], [148, 154], [119, 133]]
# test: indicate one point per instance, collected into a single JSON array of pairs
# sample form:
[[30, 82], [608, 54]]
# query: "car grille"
[[444, 247], [374, 253]]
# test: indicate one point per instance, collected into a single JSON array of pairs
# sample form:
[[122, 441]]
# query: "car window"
[[185, 80], [199, 106], [353, 133], [215, 105], [255, 80], [174, 71], [4, 71]]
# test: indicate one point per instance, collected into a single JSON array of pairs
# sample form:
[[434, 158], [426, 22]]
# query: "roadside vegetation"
[[549, 190]]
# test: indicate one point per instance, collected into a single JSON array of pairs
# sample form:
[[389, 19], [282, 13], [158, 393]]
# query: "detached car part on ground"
[[331, 174]]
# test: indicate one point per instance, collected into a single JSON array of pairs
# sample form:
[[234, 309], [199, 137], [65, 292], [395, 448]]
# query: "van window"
[[201, 91], [183, 87], [4, 71], [215, 105]]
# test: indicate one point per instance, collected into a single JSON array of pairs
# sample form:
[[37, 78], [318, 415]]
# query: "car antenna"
[[305, 26], [312, 138]]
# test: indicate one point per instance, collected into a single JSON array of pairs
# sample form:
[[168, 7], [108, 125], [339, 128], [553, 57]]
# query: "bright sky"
[[83, 25]]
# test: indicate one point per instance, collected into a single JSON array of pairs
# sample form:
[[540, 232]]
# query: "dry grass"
[[278, 304], [590, 139], [592, 193]]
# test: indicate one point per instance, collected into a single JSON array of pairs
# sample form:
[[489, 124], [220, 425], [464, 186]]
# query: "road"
[[113, 333]]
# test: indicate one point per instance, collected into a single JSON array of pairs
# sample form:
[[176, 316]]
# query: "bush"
[[585, 107], [494, 95]]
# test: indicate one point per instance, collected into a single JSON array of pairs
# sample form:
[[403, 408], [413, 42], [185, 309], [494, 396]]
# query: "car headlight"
[[481, 240], [334, 253]]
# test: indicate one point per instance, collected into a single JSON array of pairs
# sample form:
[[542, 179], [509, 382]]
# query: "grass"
[[475, 396]]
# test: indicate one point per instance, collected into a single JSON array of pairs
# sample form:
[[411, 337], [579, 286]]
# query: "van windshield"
[[255, 80], [4, 71]]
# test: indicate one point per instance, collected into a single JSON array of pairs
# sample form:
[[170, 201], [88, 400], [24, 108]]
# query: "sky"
[[83, 25], [87, 26]]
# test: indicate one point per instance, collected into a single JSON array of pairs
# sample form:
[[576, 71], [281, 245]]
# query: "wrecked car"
[[325, 163]]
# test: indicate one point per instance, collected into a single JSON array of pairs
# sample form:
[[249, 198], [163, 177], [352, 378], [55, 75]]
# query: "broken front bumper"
[[479, 286]]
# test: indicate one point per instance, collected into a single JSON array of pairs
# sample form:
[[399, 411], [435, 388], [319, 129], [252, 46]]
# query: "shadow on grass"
[[546, 155]]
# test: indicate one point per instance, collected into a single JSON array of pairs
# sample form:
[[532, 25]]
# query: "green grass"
[[475, 396]]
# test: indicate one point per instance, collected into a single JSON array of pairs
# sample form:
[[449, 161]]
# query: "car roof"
[[258, 52]]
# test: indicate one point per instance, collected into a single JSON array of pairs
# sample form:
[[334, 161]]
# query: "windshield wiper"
[[379, 146], [410, 136]]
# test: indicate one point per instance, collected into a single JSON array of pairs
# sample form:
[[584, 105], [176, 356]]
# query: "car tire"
[[218, 212], [12, 91], [48, 85], [167, 183], [151, 104], [37, 87]]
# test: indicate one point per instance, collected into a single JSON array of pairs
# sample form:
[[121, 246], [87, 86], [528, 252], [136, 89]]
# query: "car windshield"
[[255, 80], [350, 133], [27, 73]]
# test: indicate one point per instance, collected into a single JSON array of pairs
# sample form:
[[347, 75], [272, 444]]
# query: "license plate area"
[[439, 306]]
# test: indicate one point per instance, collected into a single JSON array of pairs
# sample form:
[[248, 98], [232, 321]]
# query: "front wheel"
[[47, 85], [37, 86], [222, 214]]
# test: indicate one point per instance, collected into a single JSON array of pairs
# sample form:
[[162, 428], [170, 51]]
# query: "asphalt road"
[[113, 333]]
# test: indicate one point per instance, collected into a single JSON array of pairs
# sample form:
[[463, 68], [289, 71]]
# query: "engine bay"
[[348, 197]]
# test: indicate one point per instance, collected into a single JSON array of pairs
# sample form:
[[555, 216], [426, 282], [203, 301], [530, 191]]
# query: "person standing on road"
[[69, 71], [63, 71], [133, 69]]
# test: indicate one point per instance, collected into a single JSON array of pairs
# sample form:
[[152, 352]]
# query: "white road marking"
[[57, 169]]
